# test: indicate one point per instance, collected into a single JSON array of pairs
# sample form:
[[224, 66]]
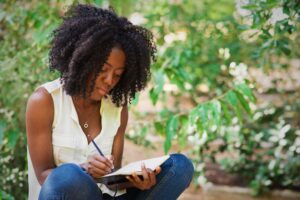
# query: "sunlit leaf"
[[171, 129]]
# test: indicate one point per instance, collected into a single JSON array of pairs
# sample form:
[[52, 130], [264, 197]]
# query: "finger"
[[96, 172], [136, 179], [152, 177], [111, 159], [100, 165], [145, 174], [104, 160], [130, 179], [157, 170]]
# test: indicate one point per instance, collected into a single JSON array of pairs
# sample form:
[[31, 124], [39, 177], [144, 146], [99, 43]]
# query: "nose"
[[108, 79]]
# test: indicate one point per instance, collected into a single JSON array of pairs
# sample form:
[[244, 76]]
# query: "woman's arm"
[[39, 119], [118, 145], [149, 177]]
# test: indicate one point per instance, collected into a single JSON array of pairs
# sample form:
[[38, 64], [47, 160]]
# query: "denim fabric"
[[175, 177], [69, 181]]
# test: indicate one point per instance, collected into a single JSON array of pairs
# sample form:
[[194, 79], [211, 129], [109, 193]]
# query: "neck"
[[85, 103]]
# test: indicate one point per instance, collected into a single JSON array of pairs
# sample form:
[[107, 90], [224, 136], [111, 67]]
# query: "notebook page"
[[136, 166]]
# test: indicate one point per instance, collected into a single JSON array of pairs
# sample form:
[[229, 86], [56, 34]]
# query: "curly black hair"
[[83, 42]]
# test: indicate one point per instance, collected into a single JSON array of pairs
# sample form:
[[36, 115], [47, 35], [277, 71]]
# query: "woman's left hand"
[[149, 178]]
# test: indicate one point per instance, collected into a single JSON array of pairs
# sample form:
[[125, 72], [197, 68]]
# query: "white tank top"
[[69, 142]]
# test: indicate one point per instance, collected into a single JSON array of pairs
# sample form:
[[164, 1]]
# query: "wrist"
[[84, 167]]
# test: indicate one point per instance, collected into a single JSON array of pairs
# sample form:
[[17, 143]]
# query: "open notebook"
[[119, 175]]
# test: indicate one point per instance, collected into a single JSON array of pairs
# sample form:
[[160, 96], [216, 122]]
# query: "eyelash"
[[117, 75]]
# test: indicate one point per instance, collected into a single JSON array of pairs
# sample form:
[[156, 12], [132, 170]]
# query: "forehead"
[[116, 58]]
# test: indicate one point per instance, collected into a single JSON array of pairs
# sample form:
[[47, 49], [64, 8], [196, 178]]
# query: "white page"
[[136, 166]]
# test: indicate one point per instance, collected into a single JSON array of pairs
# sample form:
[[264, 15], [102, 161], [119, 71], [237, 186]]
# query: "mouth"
[[101, 90]]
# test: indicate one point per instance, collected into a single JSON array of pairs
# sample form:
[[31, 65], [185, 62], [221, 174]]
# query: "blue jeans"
[[69, 181]]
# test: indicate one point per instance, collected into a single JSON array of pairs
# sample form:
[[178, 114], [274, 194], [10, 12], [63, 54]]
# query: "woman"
[[103, 60]]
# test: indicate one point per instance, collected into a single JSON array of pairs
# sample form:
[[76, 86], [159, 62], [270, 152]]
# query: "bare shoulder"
[[40, 96], [40, 107]]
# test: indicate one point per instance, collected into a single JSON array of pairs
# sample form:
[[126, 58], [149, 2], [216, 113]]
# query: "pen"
[[94, 143], [98, 149]]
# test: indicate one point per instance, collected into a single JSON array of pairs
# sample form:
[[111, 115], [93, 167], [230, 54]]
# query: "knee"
[[68, 172], [65, 178], [183, 167]]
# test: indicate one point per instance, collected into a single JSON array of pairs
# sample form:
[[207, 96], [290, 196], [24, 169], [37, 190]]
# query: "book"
[[119, 176]]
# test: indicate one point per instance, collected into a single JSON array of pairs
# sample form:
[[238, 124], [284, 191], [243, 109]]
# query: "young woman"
[[103, 60]]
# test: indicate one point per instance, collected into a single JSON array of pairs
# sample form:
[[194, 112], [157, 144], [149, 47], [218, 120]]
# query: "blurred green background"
[[225, 85]]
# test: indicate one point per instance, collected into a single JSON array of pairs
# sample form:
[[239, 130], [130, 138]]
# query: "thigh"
[[69, 181], [174, 178]]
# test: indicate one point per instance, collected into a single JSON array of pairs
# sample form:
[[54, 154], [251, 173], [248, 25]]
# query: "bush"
[[206, 49]]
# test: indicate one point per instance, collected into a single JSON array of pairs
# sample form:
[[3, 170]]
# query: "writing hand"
[[98, 165]]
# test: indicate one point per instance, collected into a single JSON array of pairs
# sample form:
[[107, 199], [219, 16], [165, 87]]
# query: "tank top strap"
[[52, 85]]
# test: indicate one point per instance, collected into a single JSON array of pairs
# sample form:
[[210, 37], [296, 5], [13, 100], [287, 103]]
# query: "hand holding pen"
[[98, 165]]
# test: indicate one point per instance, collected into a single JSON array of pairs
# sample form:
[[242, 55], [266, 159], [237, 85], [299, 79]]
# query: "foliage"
[[268, 147], [205, 49], [274, 36], [200, 45], [24, 42]]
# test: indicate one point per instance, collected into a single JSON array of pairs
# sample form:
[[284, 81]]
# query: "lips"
[[102, 90]]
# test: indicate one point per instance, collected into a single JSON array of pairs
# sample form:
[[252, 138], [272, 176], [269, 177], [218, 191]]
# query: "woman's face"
[[110, 74]]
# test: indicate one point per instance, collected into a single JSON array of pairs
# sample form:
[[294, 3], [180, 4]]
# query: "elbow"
[[41, 177]]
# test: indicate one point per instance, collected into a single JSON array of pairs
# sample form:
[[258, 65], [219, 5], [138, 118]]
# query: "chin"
[[96, 97]]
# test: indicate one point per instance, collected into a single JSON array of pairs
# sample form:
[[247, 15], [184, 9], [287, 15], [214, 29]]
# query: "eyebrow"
[[113, 66]]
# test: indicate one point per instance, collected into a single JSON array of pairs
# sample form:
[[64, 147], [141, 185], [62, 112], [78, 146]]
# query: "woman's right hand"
[[98, 165]]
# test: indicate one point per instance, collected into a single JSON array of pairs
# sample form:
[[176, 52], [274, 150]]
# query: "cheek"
[[99, 79]]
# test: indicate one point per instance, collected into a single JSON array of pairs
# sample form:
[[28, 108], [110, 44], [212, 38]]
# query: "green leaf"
[[158, 86], [286, 10], [136, 99], [202, 114], [143, 131], [98, 2], [251, 7], [182, 133], [13, 137], [243, 102], [159, 128], [154, 95], [285, 49], [5, 196], [216, 112], [2, 129], [245, 90], [226, 111], [194, 115], [171, 129], [232, 99]]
